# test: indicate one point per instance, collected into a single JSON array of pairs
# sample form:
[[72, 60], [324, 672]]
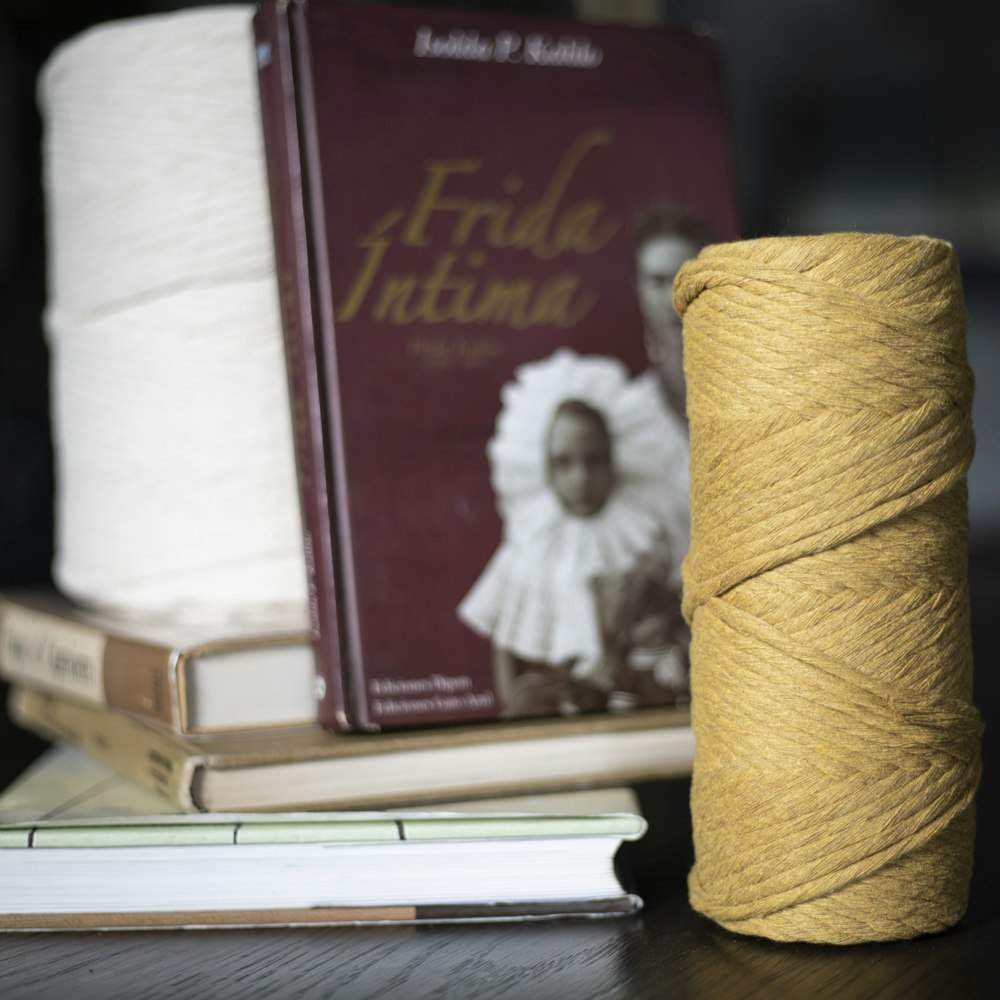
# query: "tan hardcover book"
[[312, 768], [204, 677]]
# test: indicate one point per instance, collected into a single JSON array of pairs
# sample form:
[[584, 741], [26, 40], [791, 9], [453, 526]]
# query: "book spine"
[[324, 916], [83, 662], [279, 117], [331, 428], [136, 751]]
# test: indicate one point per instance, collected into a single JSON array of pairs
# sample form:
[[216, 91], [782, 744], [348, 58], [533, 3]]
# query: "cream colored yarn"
[[171, 422], [837, 749]]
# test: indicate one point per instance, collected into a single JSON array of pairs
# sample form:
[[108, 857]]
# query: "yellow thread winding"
[[837, 747]]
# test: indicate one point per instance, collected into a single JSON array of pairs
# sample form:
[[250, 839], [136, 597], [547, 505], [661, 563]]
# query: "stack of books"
[[477, 220], [228, 722], [225, 729]]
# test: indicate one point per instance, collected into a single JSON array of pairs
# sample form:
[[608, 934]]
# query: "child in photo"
[[590, 474]]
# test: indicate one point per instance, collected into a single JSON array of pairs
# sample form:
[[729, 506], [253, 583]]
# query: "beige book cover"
[[312, 768]]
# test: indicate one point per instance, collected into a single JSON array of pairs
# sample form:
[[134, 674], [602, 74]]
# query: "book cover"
[[196, 677], [312, 768], [477, 220], [66, 784]]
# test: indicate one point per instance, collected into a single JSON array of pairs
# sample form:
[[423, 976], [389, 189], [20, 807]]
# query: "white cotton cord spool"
[[175, 470]]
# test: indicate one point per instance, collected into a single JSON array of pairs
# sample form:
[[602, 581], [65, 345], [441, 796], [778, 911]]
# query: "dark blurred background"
[[878, 115]]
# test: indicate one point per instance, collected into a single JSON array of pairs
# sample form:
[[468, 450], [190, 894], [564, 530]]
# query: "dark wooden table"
[[666, 951]]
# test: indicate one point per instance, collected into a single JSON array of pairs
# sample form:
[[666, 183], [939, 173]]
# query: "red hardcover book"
[[478, 217]]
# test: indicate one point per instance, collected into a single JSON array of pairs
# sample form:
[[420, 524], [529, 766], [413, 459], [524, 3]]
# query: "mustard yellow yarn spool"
[[837, 747]]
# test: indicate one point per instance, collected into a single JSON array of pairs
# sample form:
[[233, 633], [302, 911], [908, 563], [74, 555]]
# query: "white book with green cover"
[[527, 858]]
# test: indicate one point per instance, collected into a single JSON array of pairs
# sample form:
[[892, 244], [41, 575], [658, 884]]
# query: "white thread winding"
[[175, 471]]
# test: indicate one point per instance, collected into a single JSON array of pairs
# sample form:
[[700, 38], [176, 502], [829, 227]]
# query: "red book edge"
[[307, 369]]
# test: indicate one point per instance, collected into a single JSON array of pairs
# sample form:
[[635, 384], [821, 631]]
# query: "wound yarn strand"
[[837, 749], [176, 491]]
